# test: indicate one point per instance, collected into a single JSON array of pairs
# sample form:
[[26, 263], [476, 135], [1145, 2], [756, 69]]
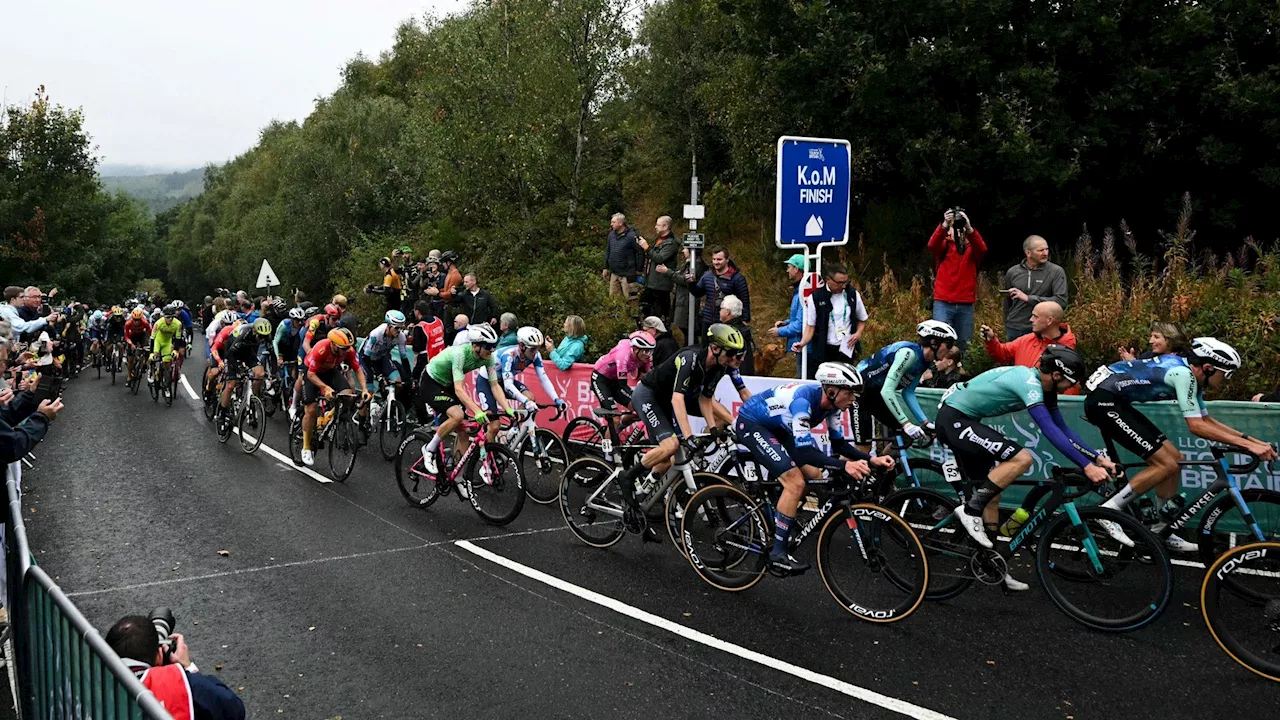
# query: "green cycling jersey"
[[453, 364]]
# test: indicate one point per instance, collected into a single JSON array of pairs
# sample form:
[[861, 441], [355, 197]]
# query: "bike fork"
[[1090, 544]]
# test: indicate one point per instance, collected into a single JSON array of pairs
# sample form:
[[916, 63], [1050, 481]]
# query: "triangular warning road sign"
[[266, 276]]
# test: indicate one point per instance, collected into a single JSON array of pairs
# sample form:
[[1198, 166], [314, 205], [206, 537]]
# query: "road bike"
[[245, 415], [542, 453], [113, 361], [869, 559], [1240, 600], [584, 435], [137, 367], [389, 413], [336, 428], [487, 475], [1092, 578]]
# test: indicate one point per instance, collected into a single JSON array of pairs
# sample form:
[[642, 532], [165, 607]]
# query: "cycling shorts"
[[97, 333], [977, 447], [436, 396], [484, 394], [658, 415], [334, 378], [380, 368], [163, 349], [771, 452], [610, 392], [179, 342], [869, 408], [1119, 422], [235, 363]]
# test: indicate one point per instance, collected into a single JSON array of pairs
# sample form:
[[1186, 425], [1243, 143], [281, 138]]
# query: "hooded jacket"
[[715, 287]]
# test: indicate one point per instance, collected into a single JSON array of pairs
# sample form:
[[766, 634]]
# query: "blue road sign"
[[813, 191]]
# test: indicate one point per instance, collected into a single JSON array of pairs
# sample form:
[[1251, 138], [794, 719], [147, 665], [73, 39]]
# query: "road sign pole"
[[693, 212]]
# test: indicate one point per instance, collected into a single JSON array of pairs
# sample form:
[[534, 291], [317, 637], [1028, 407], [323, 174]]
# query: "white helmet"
[[930, 329], [297, 313], [641, 340], [227, 317], [482, 334], [1216, 353], [839, 374], [529, 336]]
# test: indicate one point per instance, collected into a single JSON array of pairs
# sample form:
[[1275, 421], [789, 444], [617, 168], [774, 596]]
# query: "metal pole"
[[693, 258]]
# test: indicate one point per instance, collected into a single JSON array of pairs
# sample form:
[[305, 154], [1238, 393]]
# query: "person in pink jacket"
[[617, 370]]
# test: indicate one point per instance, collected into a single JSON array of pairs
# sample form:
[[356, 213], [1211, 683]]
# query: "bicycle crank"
[[634, 520], [988, 567]]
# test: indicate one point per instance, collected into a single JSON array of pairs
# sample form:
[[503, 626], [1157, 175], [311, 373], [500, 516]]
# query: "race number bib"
[[951, 471], [1097, 377]]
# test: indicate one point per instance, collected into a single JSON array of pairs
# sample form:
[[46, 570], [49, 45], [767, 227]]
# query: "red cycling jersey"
[[324, 357], [136, 329], [220, 342]]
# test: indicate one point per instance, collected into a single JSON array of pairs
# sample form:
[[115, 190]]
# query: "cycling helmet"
[[726, 336], [170, 310], [482, 335], [117, 311], [838, 374], [332, 311], [936, 330], [341, 338], [136, 314], [394, 317], [278, 306], [297, 313], [529, 336], [640, 340], [262, 326], [1062, 359], [97, 315], [306, 304], [313, 311], [228, 316], [449, 256], [1216, 353]]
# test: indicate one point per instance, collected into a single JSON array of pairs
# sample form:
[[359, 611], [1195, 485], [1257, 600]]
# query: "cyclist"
[[375, 353], [317, 329], [220, 321], [891, 376], [243, 347], [512, 361], [992, 461], [180, 339], [324, 377], [115, 329], [168, 332], [230, 321], [444, 392], [137, 336], [776, 426], [616, 370], [286, 342], [1112, 392], [682, 386], [97, 331]]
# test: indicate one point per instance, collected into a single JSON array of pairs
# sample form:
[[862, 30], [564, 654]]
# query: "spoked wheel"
[[253, 424], [343, 448], [1102, 587], [727, 536], [872, 563], [947, 547], [543, 457], [418, 487], [391, 427], [496, 484], [678, 497], [295, 441], [166, 381], [583, 436], [591, 502], [1240, 600]]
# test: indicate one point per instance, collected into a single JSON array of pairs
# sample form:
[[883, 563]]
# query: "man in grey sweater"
[[1032, 281]]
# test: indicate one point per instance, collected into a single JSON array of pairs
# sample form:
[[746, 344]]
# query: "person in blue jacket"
[[791, 329], [572, 346]]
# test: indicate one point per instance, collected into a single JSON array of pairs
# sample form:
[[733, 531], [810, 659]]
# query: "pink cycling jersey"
[[619, 363]]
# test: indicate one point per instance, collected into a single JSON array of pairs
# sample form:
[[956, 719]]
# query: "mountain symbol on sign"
[[813, 228]]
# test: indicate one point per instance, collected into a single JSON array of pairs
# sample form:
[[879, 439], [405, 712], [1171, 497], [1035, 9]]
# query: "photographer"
[[958, 249], [167, 671]]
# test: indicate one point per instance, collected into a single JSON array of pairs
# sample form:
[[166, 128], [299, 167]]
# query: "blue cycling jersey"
[[380, 343], [875, 368], [794, 409], [1164, 377]]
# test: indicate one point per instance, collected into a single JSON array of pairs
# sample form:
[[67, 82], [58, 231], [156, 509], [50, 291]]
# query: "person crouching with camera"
[[164, 667]]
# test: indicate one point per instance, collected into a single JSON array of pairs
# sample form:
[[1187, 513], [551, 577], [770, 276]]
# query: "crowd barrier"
[[62, 666]]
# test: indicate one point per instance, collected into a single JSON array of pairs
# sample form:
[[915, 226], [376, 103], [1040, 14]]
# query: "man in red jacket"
[[1047, 329], [957, 249]]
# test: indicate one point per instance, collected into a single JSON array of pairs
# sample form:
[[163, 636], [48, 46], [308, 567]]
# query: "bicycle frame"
[[682, 468]]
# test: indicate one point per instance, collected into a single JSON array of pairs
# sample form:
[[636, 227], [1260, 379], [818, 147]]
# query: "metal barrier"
[[64, 668]]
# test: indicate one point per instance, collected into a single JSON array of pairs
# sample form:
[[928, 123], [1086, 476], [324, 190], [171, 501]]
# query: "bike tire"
[[295, 441], [500, 500], [391, 429], [895, 569], [113, 368], [1064, 542], [154, 388], [582, 479], [224, 429], [1221, 523], [543, 457], [583, 437], [678, 497], [252, 424], [727, 535], [1223, 605], [343, 448], [418, 487], [947, 548]]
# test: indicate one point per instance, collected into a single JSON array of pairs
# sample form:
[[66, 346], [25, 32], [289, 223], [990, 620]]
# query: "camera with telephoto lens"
[[959, 221], [164, 622]]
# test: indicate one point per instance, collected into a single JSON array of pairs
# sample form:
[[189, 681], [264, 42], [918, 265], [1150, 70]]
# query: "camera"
[[163, 621], [960, 221]]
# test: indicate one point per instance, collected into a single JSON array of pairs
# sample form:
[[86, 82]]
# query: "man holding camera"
[[167, 671], [958, 249]]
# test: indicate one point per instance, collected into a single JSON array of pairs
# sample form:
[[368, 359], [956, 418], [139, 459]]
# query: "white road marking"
[[288, 461], [870, 696], [190, 390]]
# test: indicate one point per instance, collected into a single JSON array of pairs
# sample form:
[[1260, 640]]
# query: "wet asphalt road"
[[341, 600]]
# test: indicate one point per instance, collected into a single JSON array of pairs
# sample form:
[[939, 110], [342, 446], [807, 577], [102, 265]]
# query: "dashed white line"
[[870, 696]]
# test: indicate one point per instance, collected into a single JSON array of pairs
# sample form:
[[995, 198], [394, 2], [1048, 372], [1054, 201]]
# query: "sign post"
[[267, 277], [695, 241], [812, 209]]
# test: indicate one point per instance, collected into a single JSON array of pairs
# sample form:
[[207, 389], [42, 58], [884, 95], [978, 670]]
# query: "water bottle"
[[1173, 507], [1015, 521], [1146, 509]]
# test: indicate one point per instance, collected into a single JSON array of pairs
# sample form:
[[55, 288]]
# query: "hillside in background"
[[159, 192]]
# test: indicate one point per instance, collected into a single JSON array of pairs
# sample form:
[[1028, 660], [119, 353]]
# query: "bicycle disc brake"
[[988, 566]]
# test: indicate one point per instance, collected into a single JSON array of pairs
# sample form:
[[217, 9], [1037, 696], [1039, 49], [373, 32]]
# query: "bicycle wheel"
[[418, 487], [583, 436], [1223, 527], [253, 425], [1101, 586], [543, 457], [391, 429], [115, 362], [1240, 600], [591, 502], [210, 404], [343, 448], [678, 497], [295, 441], [946, 545], [153, 387], [224, 421], [872, 563], [496, 484], [166, 386], [727, 535]]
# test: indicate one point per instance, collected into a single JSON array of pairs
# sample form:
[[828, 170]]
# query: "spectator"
[[731, 314], [10, 311], [507, 324], [459, 332], [1029, 283], [662, 252], [833, 321], [1047, 329], [392, 285], [451, 287], [207, 311], [33, 302], [573, 346], [1271, 397], [665, 344], [414, 284], [478, 304], [680, 281], [1165, 338], [623, 257], [958, 249], [723, 278], [24, 421], [169, 673], [431, 283], [946, 371], [426, 335], [792, 329]]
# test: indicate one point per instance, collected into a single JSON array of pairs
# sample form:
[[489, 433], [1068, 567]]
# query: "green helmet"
[[262, 326], [725, 336]]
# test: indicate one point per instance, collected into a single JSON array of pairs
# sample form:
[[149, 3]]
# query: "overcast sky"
[[179, 84]]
